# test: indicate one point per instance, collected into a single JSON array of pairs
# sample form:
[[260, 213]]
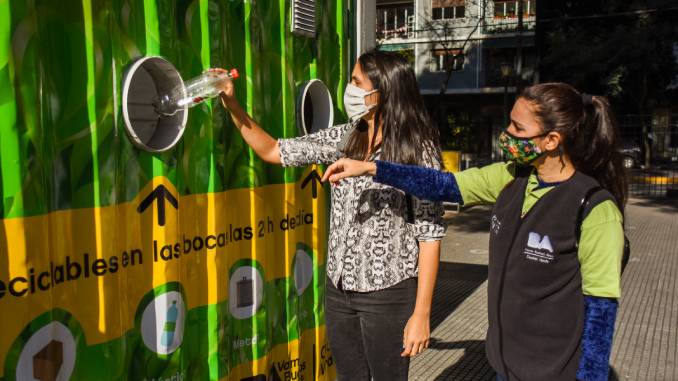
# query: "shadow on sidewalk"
[[456, 282], [668, 205], [472, 365], [473, 219]]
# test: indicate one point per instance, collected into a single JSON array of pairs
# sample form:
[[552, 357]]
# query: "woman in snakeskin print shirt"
[[384, 246]]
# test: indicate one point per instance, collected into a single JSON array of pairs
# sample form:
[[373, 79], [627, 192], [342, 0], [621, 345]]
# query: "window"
[[530, 8], [448, 9], [460, 11], [443, 60], [503, 9], [494, 59], [394, 21]]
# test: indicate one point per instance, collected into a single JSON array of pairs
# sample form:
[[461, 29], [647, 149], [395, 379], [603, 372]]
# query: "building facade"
[[470, 56]]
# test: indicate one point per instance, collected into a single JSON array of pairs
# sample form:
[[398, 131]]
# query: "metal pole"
[[519, 51], [506, 79]]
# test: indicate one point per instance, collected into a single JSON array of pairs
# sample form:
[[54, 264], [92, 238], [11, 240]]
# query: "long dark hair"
[[407, 132], [591, 136]]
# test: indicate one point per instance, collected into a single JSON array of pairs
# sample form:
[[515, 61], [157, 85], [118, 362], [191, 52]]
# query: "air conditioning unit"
[[303, 18]]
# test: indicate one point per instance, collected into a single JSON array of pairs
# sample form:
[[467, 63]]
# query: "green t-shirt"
[[601, 245]]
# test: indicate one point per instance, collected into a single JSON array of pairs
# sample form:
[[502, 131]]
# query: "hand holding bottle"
[[227, 92], [208, 85], [195, 91], [225, 87]]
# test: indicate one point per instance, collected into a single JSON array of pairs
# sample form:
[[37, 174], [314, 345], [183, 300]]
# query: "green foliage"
[[459, 132], [408, 54], [625, 52]]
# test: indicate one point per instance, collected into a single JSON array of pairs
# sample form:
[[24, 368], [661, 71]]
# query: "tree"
[[457, 130], [618, 48]]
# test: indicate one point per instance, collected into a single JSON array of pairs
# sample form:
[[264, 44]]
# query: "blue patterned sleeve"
[[599, 319], [423, 183]]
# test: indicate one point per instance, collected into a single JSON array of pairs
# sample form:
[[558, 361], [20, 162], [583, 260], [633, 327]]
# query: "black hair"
[[589, 129], [407, 132]]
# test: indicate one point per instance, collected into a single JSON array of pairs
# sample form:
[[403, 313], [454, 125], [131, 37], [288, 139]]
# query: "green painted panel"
[[64, 149], [63, 138]]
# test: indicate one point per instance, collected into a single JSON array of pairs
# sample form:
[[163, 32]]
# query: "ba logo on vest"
[[539, 249]]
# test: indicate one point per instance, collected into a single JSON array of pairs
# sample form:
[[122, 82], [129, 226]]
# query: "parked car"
[[632, 153]]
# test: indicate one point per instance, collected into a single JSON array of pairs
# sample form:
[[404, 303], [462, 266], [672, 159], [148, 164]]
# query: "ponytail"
[[596, 151], [591, 136]]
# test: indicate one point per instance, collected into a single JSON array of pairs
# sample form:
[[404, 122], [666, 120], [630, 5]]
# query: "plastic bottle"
[[170, 325], [194, 91]]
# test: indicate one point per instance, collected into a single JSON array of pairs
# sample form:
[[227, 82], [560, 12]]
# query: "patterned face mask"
[[520, 150]]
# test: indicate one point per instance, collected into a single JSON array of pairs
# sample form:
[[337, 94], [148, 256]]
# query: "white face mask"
[[354, 102]]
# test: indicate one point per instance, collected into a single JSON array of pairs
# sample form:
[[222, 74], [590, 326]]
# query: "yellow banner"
[[98, 264]]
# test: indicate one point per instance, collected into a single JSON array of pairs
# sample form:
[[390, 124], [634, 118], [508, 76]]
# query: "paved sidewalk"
[[646, 337]]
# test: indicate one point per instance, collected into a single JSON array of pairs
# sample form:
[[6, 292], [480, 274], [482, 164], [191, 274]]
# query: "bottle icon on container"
[[194, 91], [170, 326]]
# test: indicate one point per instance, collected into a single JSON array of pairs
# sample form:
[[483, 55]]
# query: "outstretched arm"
[[423, 183], [261, 142], [316, 148]]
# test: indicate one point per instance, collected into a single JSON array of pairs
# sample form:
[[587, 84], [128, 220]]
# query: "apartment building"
[[470, 56]]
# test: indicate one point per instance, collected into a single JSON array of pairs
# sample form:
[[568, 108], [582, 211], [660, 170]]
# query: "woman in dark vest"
[[383, 247], [555, 264]]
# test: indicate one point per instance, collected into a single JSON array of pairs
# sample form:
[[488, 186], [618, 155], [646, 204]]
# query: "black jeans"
[[365, 331]]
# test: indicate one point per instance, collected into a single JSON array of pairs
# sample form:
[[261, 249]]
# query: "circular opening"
[[145, 81], [315, 109]]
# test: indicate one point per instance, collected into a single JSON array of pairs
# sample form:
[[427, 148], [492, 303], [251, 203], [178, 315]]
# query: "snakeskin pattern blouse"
[[372, 243]]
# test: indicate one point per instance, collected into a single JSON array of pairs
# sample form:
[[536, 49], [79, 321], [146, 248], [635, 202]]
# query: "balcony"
[[395, 22], [495, 25], [502, 17]]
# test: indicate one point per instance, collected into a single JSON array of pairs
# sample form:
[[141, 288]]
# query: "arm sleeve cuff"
[[599, 319], [423, 183]]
